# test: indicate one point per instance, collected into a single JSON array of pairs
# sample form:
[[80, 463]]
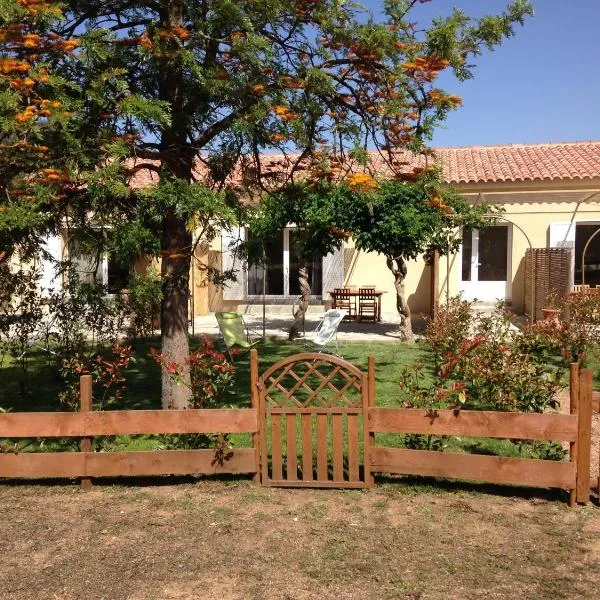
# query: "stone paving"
[[276, 327]]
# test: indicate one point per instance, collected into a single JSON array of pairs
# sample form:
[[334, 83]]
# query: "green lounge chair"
[[234, 331]]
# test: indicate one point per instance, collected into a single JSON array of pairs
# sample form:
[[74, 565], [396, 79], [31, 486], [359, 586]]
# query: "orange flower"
[[361, 182], [280, 109], [67, 45], [11, 65]]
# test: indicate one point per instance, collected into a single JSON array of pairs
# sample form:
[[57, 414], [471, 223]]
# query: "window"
[[282, 269], [583, 232], [93, 264]]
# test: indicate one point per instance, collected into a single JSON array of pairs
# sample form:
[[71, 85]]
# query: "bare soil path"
[[226, 541]]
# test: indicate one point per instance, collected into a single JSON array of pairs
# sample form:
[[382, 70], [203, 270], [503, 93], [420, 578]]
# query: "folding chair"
[[234, 331], [327, 329]]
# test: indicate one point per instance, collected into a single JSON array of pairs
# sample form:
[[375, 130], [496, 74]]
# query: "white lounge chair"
[[327, 329]]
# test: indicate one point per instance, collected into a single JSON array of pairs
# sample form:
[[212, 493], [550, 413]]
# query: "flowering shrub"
[[578, 335], [211, 375], [482, 362], [107, 375], [450, 328]]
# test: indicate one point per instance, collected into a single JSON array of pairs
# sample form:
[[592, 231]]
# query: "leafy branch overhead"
[[99, 99]]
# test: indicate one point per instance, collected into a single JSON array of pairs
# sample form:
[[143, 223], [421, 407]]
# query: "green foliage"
[[406, 219], [312, 208], [491, 363], [577, 335], [145, 296]]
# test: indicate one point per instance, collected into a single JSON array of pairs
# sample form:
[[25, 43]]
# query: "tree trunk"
[[176, 239], [176, 242], [397, 265], [300, 313]]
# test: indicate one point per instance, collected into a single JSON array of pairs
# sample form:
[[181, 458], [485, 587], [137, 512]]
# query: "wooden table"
[[355, 293]]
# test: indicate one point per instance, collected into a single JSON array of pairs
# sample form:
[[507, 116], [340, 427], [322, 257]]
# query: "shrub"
[[578, 335], [482, 362], [211, 377], [450, 328], [145, 296], [108, 377]]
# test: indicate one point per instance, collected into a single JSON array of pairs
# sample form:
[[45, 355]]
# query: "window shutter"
[[49, 278], [333, 270], [562, 235], [234, 290]]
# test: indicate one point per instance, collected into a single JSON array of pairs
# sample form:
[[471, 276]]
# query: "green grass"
[[39, 387]]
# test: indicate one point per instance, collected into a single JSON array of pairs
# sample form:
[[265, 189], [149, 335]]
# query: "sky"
[[542, 85]]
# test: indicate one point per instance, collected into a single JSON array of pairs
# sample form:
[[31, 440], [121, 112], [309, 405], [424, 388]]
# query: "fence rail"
[[474, 423], [574, 428]]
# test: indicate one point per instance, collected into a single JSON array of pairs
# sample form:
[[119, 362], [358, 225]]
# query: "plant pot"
[[551, 314]]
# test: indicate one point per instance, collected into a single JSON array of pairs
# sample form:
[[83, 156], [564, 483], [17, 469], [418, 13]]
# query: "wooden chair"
[[367, 304], [344, 301]]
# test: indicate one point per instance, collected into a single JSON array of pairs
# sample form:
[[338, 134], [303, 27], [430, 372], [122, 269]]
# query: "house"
[[550, 196]]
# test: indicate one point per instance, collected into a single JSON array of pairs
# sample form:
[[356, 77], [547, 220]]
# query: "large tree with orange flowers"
[[195, 90]]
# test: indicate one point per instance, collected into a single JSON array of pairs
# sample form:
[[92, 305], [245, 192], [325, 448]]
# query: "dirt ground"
[[231, 540]]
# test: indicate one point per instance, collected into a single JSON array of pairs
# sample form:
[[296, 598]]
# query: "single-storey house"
[[550, 196]]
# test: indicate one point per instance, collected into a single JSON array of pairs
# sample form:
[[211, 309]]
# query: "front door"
[[484, 263]]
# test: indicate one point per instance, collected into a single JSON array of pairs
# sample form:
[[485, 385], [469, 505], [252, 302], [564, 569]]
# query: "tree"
[[194, 90], [402, 220], [311, 208]]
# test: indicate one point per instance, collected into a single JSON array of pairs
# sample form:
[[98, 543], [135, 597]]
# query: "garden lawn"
[[40, 388]]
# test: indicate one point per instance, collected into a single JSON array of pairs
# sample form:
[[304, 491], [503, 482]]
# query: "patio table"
[[355, 293]]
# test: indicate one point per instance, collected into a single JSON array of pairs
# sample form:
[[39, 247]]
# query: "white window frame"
[[466, 287], [286, 273]]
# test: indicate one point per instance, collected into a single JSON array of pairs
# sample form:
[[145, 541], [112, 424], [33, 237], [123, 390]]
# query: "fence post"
[[584, 436], [369, 435], [574, 407], [255, 406], [85, 405]]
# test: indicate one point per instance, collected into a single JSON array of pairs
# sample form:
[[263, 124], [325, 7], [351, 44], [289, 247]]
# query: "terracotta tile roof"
[[521, 162], [469, 164]]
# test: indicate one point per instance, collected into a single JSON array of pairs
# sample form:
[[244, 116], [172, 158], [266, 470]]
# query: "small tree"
[[403, 220], [312, 209]]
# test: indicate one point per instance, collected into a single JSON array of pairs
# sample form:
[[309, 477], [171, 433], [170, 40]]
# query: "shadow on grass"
[[412, 485]]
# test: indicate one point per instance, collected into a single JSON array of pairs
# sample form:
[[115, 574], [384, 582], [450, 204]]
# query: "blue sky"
[[541, 85]]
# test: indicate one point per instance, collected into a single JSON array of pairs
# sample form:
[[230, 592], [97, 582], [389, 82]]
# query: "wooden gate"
[[312, 416]]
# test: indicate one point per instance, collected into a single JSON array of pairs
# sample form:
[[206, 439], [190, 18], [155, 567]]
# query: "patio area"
[[277, 325]]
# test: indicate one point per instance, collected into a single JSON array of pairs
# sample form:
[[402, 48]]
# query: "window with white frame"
[[94, 264], [280, 271]]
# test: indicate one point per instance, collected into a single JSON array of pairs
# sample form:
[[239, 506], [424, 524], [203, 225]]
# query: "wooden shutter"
[[49, 278], [237, 289], [333, 270]]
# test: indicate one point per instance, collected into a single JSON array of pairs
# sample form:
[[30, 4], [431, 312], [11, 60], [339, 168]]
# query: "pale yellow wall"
[[533, 208]]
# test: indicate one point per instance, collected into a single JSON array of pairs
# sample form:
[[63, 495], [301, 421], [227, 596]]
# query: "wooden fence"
[[87, 424], [574, 428]]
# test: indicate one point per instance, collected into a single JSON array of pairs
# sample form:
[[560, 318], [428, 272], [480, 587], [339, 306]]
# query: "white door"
[[484, 261]]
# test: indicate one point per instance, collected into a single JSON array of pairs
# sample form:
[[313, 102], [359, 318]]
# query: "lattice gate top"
[[312, 408]]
